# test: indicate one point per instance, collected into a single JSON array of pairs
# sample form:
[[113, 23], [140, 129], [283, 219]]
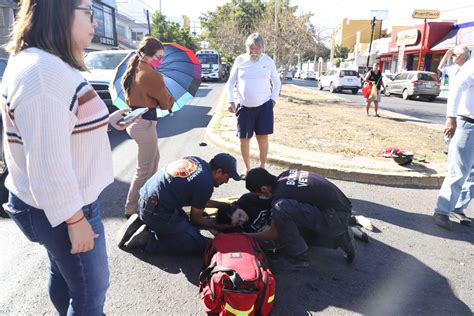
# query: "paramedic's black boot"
[[299, 261], [346, 243], [139, 239], [124, 234]]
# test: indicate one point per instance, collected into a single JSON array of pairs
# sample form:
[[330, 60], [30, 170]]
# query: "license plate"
[[428, 85], [350, 80]]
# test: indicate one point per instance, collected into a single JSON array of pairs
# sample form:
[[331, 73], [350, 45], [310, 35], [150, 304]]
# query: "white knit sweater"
[[56, 144]]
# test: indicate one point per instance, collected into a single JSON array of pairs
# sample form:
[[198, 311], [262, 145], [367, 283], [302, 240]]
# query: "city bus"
[[212, 68]]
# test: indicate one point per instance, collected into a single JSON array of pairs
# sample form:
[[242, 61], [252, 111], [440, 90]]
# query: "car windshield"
[[104, 60], [352, 73], [427, 77]]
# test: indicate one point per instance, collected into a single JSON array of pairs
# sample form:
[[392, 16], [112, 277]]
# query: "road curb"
[[281, 158]]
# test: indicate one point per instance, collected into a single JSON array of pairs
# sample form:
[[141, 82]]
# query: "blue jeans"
[[457, 189], [77, 283], [173, 233]]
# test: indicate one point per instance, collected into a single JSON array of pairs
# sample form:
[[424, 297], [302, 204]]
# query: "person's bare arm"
[[267, 234], [446, 57]]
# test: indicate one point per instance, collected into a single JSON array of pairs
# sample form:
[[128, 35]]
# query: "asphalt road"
[[410, 266], [434, 112]]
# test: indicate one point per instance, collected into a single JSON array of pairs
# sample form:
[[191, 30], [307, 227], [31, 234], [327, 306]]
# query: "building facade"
[[346, 33], [105, 36], [410, 48]]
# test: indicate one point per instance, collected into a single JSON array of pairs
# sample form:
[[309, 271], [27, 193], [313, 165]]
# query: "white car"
[[101, 69], [307, 74], [340, 79]]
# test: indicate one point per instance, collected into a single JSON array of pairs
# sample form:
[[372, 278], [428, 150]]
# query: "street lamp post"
[[372, 24]]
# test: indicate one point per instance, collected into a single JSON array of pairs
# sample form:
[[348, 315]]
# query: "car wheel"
[[430, 99], [331, 88], [320, 86], [405, 95], [386, 92], [354, 91]]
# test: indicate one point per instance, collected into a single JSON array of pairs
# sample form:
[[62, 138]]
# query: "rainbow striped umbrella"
[[181, 72]]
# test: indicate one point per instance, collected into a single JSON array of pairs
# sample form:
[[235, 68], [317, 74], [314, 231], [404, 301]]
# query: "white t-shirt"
[[461, 92], [257, 81]]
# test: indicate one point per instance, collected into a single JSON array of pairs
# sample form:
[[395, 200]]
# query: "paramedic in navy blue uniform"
[[162, 226], [303, 201]]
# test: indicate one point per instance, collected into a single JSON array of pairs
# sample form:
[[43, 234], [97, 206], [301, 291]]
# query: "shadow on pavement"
[[394, 283], [417, 222], [112, 199], [189, 266], [203, 92], [186, 119]]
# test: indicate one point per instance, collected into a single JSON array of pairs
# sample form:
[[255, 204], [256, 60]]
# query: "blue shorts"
[[258, 120]]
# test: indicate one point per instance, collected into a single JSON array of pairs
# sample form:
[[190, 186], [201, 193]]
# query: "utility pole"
[[148, 21], [372, 24], [276, 32]]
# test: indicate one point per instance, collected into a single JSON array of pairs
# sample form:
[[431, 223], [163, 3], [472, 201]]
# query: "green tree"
[[341, 52], [227, 27], [167, 31]]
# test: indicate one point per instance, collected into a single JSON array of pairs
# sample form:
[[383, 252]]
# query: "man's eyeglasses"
[[88, 10]]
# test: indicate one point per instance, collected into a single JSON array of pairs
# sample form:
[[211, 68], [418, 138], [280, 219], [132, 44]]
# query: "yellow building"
[[346, 33]]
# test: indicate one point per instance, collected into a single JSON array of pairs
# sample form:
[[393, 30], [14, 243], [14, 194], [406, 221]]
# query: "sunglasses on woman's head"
[[88, 10]]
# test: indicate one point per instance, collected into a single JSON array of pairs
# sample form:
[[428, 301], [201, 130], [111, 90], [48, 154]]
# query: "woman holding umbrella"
[[144, 88]]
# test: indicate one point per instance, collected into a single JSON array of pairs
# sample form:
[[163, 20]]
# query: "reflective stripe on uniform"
[[236, 312], [271, 298]]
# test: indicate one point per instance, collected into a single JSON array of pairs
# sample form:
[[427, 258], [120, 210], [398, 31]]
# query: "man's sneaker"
[[442, 220], [347, 244], [139, 239], [463, 219], [300, 261], [127, 230]]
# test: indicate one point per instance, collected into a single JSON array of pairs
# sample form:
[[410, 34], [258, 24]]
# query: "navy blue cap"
[[227, 163]]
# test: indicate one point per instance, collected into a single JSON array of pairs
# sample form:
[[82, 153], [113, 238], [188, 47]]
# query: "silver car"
[[411, 84]]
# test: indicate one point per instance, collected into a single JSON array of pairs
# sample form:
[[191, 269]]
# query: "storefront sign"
[[105, 30], [426, 14], [409, 37], [386, 58]]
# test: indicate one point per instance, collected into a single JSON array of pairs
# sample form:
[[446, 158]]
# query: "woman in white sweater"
[[57, 149]]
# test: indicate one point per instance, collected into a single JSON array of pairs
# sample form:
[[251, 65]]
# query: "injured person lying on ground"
[[306, 209], [252, 214]]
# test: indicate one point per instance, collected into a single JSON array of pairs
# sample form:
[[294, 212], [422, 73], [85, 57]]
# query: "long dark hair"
[[46, 24], [148, 47]]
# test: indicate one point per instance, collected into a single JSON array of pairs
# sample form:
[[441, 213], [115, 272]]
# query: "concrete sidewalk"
[[221, 133]]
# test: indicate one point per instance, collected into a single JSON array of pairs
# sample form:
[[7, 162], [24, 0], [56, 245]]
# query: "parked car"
[[101, 65], [410, 84], [288, 75], [297, 74], [340, 79], [308, 75]]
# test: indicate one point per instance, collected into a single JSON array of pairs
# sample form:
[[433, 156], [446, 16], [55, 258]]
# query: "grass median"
[[308, 119]]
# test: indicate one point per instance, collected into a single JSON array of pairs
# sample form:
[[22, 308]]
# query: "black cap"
[[227, 163]]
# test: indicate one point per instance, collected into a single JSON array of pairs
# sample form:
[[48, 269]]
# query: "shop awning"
[[461, 34]]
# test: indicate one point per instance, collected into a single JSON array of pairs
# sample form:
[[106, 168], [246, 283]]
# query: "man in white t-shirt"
[[258, 86]]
